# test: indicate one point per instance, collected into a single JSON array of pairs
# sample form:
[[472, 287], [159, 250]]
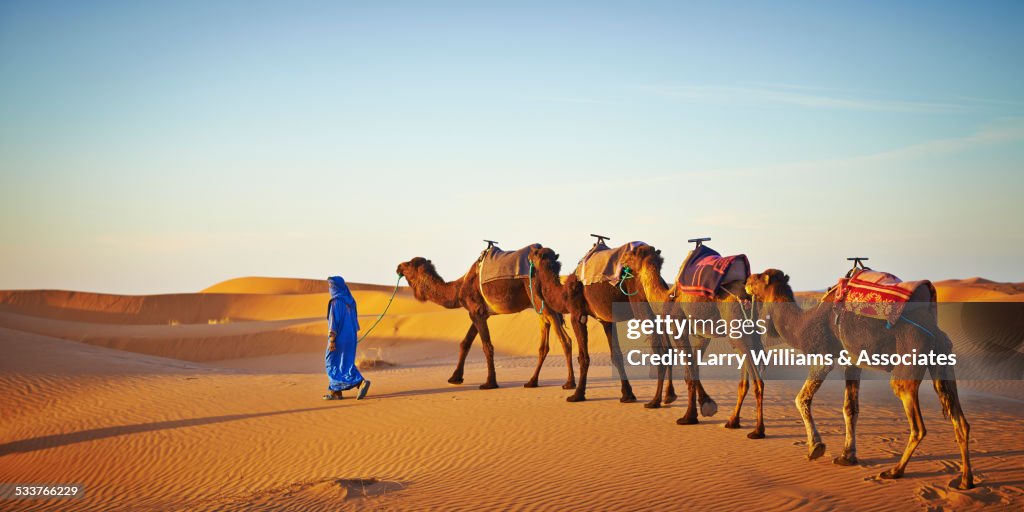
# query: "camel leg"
[[815, 376], [741, 393], [695, 390], [655, 402], [670, 390], [906, 390], [758, 432], [708, 407], [948, 395], [851, 409], [563, 338], [662, 369], [748, 372], [464, 346], [944, 381], [579, 328], [626, 388], [485, 338], [542, 353]]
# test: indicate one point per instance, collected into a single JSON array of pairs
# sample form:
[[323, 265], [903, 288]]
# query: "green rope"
[[532, 303], [627, 273], [367, 333]]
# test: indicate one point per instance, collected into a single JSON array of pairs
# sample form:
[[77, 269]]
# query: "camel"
[[580, 302], [503, 296], [646, 261], [818, 330]]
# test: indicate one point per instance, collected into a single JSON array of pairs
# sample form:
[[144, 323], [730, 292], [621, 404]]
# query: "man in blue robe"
[[341, 347]]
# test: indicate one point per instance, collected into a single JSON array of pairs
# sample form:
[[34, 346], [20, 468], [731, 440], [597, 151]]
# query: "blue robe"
[[344, 322]]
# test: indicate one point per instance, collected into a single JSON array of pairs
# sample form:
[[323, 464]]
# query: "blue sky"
[[152, 148]]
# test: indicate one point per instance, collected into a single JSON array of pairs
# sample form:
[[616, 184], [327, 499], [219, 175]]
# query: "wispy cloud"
[[802, 96], [1007, 131]]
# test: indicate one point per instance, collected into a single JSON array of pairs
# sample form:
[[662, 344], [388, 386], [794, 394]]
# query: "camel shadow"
[[947, 456], [58, 440]]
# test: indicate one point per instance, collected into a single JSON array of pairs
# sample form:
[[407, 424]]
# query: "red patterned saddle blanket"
[[704, 271], [879, 294]]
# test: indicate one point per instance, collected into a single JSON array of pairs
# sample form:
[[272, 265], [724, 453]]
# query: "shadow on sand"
[[58, 440]]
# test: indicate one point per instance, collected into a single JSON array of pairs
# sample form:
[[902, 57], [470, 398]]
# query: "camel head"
[[772, 285], [545, 258], [638, 257], [416, 271]]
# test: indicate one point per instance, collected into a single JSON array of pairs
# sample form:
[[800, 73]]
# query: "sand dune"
[[209, 401]]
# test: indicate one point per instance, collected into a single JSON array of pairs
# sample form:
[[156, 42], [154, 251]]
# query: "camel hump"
[[705, 271], [498, 264], [602, 264]]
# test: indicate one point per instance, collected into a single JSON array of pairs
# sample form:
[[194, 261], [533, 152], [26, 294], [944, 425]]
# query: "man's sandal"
[[363, 389]]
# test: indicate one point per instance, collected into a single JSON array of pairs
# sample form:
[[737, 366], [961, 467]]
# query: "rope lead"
[[367, 333]]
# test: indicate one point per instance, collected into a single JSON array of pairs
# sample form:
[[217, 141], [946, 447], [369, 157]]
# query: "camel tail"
[[944, 379]]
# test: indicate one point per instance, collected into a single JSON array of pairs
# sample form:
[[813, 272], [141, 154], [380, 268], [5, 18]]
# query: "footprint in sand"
[[935, 497], [949, 466], [366, 487]]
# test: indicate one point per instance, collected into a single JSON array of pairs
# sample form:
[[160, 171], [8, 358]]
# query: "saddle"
[[602, 264], [879, 295], [705, 271], [495, 263]]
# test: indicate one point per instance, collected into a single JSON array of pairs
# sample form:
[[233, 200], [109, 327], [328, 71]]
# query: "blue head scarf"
[[339, 290]]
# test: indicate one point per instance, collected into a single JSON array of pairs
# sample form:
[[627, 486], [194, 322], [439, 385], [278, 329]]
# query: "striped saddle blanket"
[[498, 264], [704, 271], [879, 295], [602, 264]]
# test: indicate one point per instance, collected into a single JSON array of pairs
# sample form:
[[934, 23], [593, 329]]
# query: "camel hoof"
[[670, 398], [576, 398], [455, 381], [531, 384], [816, 451], [687, 420], [757, 434], [889, 475], [845, 461], [627, 399], [489, 385], [732, 423], [569, 385], [652, 405], [965, 484], [709, 408]]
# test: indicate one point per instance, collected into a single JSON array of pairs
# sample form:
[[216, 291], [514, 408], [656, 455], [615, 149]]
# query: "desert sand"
[[211, 401]]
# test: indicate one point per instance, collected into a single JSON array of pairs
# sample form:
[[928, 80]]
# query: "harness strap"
[[627, 273]]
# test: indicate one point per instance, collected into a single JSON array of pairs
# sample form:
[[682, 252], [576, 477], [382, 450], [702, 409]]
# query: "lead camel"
[[504, 296]]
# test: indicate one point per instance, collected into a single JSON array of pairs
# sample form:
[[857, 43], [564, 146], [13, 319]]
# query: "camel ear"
[[767, 278], [657, 251], [556, 255], [785, 278]]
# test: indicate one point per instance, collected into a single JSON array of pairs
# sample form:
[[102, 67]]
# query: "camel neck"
[[655, 288], [788, 318], [435, 289], [552, 290]]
